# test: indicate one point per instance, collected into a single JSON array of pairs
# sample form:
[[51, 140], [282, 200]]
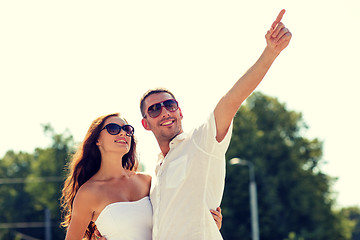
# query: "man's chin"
[[170, 135]]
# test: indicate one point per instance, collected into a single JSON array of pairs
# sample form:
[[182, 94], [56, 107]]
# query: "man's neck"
[[164, 144], [164, 147]]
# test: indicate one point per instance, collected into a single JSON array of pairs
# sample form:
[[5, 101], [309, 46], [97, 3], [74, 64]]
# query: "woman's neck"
[[111, 166]]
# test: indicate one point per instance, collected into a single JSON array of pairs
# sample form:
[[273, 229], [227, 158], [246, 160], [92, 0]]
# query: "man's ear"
[[181, 115], [145, 124]]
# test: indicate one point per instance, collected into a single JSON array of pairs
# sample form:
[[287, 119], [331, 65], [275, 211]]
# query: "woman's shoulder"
[[91, 189], [143, 177], [87, 190], [87, 197]]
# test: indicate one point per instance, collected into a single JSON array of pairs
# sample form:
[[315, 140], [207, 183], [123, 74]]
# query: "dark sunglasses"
[[114, 129], [155, 109]]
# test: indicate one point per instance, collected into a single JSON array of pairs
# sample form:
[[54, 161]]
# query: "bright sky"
[[68, 62]]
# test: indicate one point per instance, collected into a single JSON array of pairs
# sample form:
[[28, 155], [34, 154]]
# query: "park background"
[[65, 63]]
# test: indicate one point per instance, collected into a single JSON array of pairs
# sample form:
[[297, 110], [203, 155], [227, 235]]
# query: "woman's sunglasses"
[[155, 109], [115, 129]]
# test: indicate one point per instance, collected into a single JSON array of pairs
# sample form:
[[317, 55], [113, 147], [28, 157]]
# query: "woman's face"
[[119, 143]]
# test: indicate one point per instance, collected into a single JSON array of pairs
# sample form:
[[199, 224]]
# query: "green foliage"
[[294, 197], [35, 183], [292, 236], [350, 217], [14, 197], [47, 163]]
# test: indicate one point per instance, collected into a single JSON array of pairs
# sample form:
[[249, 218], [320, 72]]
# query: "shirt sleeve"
[[205, 138]]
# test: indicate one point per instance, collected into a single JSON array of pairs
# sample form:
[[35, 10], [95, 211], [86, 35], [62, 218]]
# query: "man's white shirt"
[[189, 182]]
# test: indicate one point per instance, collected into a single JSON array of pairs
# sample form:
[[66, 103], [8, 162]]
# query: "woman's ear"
[[145, 124]]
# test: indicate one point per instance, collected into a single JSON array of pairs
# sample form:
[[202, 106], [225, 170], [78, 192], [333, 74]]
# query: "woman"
[[103, 189]]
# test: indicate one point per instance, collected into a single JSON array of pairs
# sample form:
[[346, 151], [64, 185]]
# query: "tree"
[[351, 216], [294, 196], [49, 163], [13, 197], [39, 187]]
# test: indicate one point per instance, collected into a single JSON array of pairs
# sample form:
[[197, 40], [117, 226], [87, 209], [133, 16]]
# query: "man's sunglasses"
[[155, 109], [115, 129]]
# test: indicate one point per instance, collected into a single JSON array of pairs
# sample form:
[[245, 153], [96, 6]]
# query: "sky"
[[68, 62]]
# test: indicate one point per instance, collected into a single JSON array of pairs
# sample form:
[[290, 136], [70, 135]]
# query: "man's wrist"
[[269, 55]]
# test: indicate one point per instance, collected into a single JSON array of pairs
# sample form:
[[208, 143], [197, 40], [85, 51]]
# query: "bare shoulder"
[[87, 193], [144, 181], [144, 177]]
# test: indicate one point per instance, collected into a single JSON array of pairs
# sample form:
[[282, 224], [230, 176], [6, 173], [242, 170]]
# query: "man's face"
[[167, 125]]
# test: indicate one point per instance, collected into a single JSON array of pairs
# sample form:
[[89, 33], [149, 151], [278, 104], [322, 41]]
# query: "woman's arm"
[[81, 215]]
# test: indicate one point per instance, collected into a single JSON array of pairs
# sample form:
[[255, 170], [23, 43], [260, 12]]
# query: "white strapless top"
[[126, 220]]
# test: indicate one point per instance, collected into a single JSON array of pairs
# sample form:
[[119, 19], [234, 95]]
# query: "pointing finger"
[[278, 19]]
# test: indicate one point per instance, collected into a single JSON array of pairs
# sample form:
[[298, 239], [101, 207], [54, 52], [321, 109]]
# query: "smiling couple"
[[105, 193]]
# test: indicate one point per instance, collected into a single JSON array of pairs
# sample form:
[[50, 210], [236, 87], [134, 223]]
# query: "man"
[[191, 169]]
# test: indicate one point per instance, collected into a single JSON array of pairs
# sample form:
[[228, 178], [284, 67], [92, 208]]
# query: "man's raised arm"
[[277, 39]]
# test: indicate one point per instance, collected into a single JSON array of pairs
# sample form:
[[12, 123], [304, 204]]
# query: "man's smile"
[[167, 122]]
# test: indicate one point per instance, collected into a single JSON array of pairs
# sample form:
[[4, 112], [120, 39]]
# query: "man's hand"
[[98, 235], [278, 37], [217, 217]]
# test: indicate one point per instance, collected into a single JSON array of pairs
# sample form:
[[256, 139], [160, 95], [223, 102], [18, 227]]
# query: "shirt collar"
[[179, 138]]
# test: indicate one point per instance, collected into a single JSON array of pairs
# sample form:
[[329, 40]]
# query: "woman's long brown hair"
[[84, 164]]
